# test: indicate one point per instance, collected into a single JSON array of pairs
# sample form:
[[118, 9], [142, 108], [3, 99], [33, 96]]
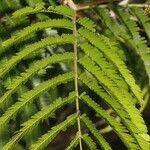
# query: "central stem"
[[76, 76]]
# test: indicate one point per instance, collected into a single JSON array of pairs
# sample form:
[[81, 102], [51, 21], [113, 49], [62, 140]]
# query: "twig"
[[78, 7], [75, 45], [129, 5]]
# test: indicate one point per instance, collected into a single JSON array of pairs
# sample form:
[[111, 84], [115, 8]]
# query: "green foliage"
[[35, 27], [50, 135], [29, 96], [88, 140], [59, 69], [104, 145], [32, 70], [37, 118], [74, 143]]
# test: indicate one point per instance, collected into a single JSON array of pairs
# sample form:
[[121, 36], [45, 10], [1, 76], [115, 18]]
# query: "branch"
[[75, 45], [78, 7]]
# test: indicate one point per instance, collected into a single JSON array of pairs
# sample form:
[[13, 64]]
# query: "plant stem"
[[76, 77], [85, 6], [129, 5]]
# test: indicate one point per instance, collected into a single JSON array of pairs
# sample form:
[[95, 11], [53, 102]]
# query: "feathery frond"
[[32, 48], [102, 142], [127, 104], [100, 42], [49, 47], [50, 135], [51, 23], [37, 118], [74, 142], [120, 130], [89, 141], [62, 10], [23, 77], [28, 10], [143, 19], [31, 95], [135, 40]]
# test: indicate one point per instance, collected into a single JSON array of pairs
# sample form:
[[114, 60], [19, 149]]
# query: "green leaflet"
[[21, 35], [123, 114], [33, 69], [32, 48], [136, 136], [74, 142], [89, 142], [37, 118], [143, 19], [28, 10], [106, 66], [110, 24], [117, 127], [94, 53], [107, 47], [54, 23], [62, 10], [29, 96], [87, 23], [135, 40], [50, 135], [102, 142], [113, 89], [99, 90], [114, 28]]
